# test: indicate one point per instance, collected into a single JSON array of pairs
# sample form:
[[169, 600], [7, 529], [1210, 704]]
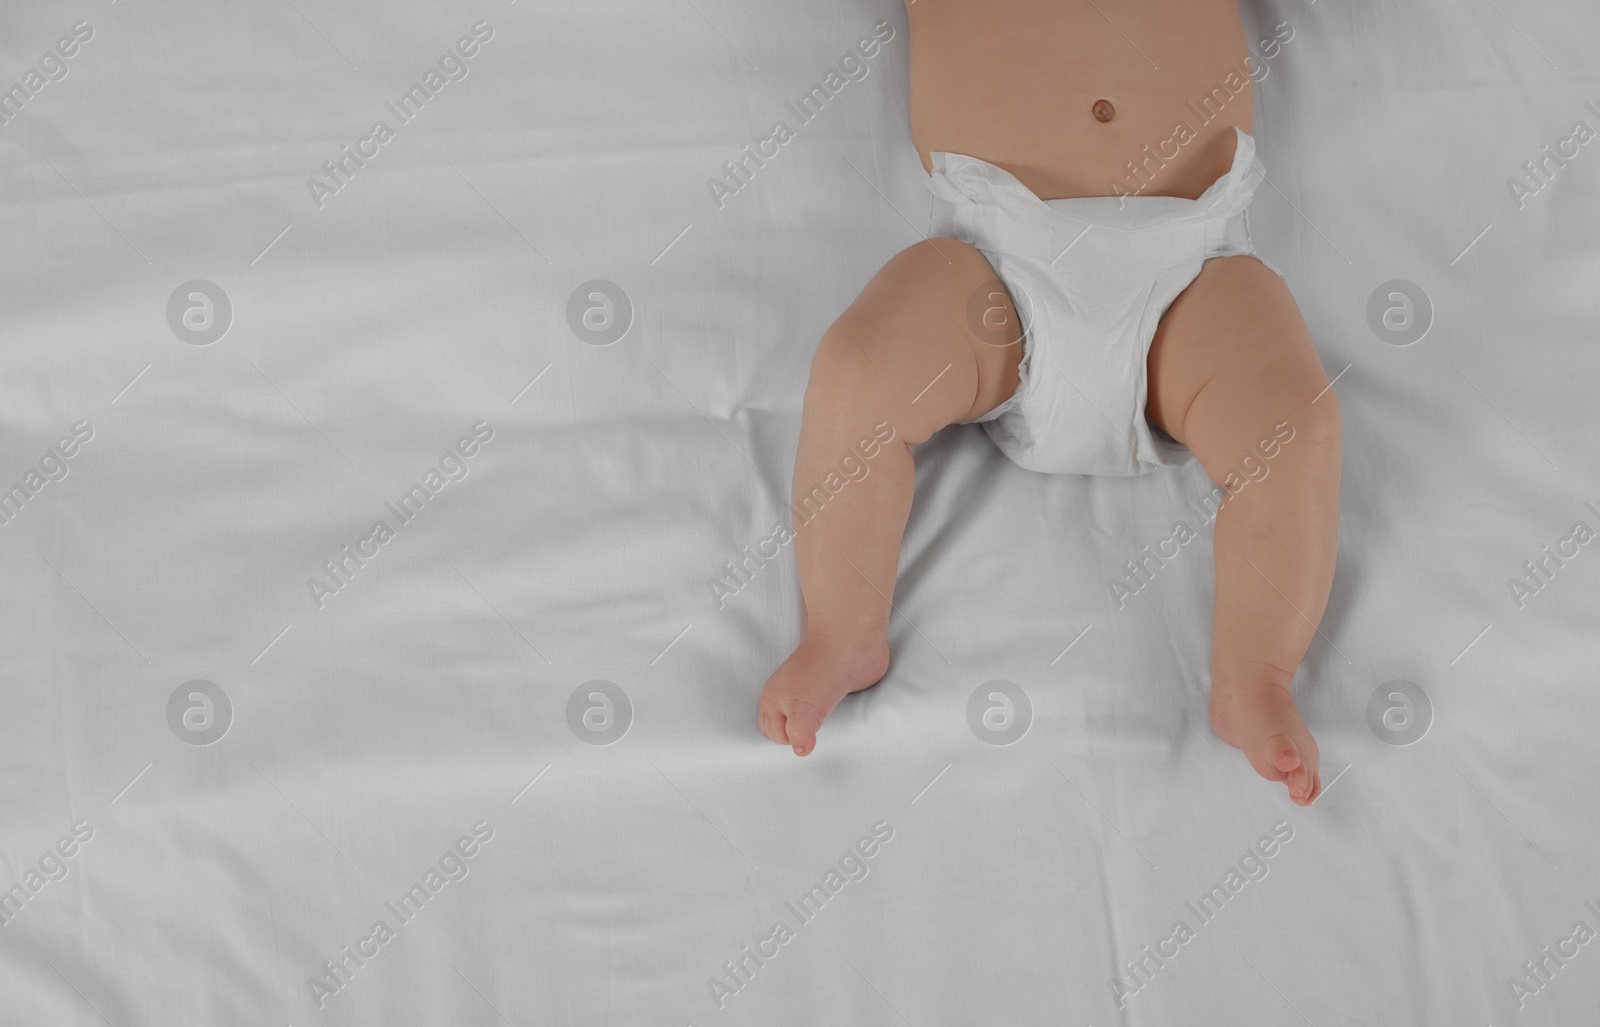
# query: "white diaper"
[[1090, 277]]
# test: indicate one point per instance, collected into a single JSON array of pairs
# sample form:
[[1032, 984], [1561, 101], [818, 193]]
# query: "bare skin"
[[1063, 95]]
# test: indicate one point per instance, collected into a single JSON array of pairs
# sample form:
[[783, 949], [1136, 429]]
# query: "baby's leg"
[[904, 358], [1231, 362]]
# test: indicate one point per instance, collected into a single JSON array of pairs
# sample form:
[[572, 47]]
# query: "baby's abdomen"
[[1016, 82]]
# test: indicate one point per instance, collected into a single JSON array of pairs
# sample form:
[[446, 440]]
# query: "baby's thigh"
[[934, 333], [1231, 357]]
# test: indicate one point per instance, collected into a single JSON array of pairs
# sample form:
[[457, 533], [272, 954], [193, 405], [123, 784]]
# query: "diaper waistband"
[[985, 205]]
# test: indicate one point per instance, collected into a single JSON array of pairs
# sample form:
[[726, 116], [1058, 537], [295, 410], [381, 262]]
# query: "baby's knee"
[[1296, 396], [1298, 414], [842, 369], [857, 381], [1314, 417]]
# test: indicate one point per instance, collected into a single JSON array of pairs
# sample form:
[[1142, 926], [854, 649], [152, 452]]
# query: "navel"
[[1103, 111]]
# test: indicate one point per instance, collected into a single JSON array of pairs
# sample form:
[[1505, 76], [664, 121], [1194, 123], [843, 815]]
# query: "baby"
[[1089, 293]]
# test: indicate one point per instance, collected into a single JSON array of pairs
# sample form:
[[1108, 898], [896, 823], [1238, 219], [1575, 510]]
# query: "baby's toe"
[[1308, 785], [1273, 758], [801, 723], [770, 718], [1283, 754], [1300, 782]]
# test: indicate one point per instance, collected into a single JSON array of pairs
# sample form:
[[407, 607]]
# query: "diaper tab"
[[1238, 186], [985, 206], [990, 227], [1228, 236]]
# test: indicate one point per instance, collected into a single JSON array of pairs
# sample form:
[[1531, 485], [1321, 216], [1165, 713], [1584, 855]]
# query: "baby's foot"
[[810, 683], [1260, 719]]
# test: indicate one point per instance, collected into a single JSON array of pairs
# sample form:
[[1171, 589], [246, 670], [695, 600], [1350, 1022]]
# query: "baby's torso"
[[1018, 83]]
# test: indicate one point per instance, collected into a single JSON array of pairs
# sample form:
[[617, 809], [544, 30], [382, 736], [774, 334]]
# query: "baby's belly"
[[1017, 83]]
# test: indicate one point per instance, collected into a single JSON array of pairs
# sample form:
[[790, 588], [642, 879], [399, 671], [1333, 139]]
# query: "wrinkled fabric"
[[622, 526]]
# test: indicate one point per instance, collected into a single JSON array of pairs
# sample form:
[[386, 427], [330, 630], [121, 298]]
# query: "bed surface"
[[517, 726]]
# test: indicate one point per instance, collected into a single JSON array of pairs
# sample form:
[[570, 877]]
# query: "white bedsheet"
[[358, 735]]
